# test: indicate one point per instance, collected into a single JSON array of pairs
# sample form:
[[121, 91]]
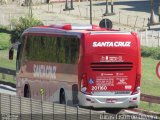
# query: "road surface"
[[7, 89]]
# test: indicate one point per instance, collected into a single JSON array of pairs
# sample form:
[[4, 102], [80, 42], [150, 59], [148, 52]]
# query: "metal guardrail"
[[20, 108], [150, 98], [7, 71]]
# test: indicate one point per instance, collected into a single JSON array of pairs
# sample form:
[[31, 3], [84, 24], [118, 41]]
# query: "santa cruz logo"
[[112, 44]]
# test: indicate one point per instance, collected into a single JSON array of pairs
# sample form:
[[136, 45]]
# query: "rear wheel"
[[62, 97], [27, 92]]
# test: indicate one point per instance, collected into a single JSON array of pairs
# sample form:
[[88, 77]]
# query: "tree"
[[21, 24]]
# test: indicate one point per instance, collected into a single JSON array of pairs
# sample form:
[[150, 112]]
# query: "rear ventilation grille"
[[111, 66]]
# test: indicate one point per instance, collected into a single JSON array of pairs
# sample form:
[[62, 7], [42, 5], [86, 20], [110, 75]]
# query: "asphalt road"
[[7, 89]]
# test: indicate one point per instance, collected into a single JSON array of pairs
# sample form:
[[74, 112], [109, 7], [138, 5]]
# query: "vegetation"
[[150, 83], [4, 41], [150, 106], [21, 24], [150, 52]]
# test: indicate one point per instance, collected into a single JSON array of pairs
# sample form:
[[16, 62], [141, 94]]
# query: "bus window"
[[52, 49]]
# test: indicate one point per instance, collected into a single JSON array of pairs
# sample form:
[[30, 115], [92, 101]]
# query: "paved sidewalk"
[[130, 14]]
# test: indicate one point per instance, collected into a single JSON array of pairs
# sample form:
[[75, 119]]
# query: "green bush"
[[145, 51], [150, 52], [156, 54], [21, 24]]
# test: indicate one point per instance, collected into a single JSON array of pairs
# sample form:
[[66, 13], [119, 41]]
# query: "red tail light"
[[137, 85], [84, 83]]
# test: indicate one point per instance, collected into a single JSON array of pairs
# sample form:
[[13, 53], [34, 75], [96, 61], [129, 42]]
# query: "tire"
[[27, 92], [62, 97], [75, 94]]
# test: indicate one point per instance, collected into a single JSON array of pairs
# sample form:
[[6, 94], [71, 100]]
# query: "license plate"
[[111, 100]]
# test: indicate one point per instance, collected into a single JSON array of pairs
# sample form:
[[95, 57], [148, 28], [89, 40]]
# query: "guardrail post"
[[48, 7], [3, 76], [0, 108], [149, 104], [152, 38], [60, 9], [127, 19], [158, 39], [94, 14], [77, 112], [141, 37], [79, 10], [143, 22], [146, 37], [10, 105], [90, 113], [136, 21], [86, 12], [42, 107], [53, 111], [52, 7], [65, 112], [20, 116], [31, 107], [119, 18]]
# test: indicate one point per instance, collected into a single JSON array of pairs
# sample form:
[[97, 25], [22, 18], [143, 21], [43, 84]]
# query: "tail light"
[[84, 83], [137, 85]]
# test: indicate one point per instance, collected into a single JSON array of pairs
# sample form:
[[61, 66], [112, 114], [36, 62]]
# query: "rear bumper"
[[101, 101]]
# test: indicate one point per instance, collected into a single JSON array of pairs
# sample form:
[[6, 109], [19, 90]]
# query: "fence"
[[120, 17], [7, 74], [150, 99], [150, 38], [81, 11], [19, 108]]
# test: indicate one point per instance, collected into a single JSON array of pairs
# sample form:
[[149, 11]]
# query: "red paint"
[[158, 70]]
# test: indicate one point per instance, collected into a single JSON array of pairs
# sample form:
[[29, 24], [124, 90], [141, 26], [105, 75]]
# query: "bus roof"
[[69, 29]]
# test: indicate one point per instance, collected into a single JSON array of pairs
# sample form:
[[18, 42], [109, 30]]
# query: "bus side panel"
[[63, 76]]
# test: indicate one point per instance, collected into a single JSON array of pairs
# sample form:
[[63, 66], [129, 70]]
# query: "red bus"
[[79, 65]]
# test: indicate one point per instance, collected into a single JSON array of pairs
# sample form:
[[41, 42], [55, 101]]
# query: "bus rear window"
[[52, 49]]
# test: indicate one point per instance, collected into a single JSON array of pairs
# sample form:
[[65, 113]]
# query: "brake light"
[[137, 85], [84, 83]]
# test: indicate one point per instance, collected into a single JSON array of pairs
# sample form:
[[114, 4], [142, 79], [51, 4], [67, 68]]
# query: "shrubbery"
[[153, 52], [21, 24]]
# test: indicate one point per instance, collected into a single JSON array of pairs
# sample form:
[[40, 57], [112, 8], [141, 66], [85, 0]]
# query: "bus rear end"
[[110, 70]]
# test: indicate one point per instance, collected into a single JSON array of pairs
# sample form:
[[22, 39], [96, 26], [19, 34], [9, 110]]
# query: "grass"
[[4, 41], [150, 107], [150, 83], [4, 49], [4, 61]]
